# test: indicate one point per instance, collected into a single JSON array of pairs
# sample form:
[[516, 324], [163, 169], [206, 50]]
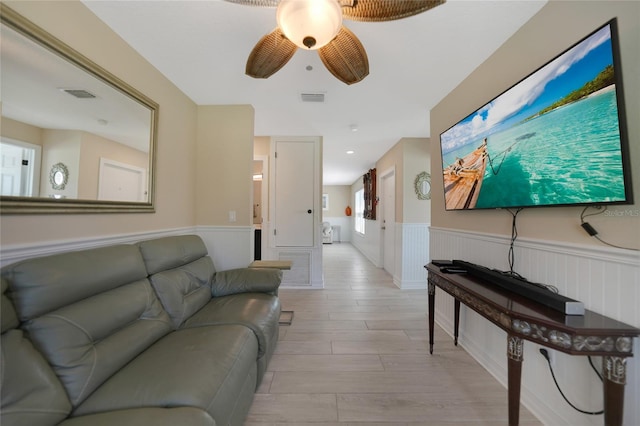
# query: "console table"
[[524, 319]]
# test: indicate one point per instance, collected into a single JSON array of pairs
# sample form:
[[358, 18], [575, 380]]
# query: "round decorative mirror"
[[59, 176], [422, 186]]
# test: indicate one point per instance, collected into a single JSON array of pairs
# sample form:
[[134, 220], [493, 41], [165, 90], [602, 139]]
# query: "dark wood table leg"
[[514, 372], [456, 321], [432, 303], [614, 371]]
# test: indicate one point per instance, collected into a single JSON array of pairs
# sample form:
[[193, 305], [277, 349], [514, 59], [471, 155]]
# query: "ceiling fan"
[[317, 25]]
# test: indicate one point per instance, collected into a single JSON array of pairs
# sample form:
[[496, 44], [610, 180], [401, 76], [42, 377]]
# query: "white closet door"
[[294, 194]]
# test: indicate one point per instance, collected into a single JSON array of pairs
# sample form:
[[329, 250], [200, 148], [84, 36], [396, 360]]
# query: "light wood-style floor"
[[357, 354]]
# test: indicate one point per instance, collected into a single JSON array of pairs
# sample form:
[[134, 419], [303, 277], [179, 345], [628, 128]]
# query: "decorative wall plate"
[[59, 176], [422, 186]]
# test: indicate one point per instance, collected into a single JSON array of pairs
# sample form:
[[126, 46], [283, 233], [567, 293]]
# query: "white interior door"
[[121, 182], [294, 194], [19, 169], [389, 221]]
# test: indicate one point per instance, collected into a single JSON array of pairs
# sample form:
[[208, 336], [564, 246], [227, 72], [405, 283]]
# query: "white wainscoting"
[[411, 249], [414, 254], [229, 247], [17, 252], [369, 243], [606, 280]]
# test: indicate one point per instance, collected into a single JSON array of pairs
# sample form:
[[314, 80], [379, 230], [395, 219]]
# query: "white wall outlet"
[[232, 215]]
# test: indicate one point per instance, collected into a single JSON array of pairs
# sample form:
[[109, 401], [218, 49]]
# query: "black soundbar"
[[524, 288]]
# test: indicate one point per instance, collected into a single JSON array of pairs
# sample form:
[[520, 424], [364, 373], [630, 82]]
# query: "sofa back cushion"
[[180, 272], [44, 284], [166, 253], [30, 392], [9, 318], [89, 312]]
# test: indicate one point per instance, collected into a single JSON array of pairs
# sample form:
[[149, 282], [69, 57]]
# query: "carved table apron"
[[524, 319]]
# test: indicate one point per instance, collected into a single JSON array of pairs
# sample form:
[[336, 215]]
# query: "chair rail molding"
[[14, 253]]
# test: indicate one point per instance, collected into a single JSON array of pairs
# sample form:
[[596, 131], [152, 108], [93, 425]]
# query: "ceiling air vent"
[[312, 97], [79, 93]]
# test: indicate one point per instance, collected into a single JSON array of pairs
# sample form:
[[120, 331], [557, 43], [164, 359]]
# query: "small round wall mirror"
[[422, 186], [59, 176]]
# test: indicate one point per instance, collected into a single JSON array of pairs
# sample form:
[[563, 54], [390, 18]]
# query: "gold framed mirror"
[[67, 120]]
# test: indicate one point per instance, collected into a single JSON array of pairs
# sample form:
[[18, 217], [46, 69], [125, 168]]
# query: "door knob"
[[309, 211]]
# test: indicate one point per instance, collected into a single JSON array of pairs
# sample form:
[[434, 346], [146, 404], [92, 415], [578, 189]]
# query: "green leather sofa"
[[134, 334]]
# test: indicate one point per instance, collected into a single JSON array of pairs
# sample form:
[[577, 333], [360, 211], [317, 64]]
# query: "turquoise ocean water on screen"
[[569, 155]]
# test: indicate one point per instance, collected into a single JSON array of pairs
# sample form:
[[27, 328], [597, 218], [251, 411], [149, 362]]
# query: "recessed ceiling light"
[[354, 127], [350, 152]]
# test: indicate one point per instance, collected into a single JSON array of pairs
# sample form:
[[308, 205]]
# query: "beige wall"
[[20, 131], [339, 199], [92, 149], [408, 157], [224, 165], [75, 25], [262, 146], [416, 160], [557, 26], [60, 146], [79, 151]]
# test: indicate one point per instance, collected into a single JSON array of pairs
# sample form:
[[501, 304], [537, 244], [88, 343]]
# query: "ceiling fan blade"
[[261, 3], [385, 10], [271, 53], [345, 57]]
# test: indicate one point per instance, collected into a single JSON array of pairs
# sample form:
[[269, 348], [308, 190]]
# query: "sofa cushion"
[[9, 318], [30, 392], [203, 367], [43, 284], [88, 341], [184, 289], [166, 253], [258, 311], [186, 416]]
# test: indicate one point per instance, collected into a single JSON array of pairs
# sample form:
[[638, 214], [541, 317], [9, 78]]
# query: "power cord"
[[512, 273], [514, 236], [545, 354], [592, 231]]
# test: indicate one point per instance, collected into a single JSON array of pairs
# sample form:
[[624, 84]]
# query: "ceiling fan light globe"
[[303, 20]]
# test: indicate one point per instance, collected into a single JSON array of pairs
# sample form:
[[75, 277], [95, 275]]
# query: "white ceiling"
[[202, 47], [33, 83]]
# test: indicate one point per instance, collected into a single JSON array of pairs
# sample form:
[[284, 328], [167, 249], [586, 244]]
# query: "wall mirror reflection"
[[66, 120]]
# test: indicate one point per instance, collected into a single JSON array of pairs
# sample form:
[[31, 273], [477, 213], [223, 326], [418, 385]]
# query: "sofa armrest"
[[246, 280]]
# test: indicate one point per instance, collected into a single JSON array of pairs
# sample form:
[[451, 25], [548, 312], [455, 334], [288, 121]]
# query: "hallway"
[[357, 354]]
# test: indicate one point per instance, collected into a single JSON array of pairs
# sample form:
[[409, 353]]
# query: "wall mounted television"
[[556, 138]]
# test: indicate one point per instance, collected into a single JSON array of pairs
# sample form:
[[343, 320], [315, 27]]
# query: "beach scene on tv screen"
[[551, 139]]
